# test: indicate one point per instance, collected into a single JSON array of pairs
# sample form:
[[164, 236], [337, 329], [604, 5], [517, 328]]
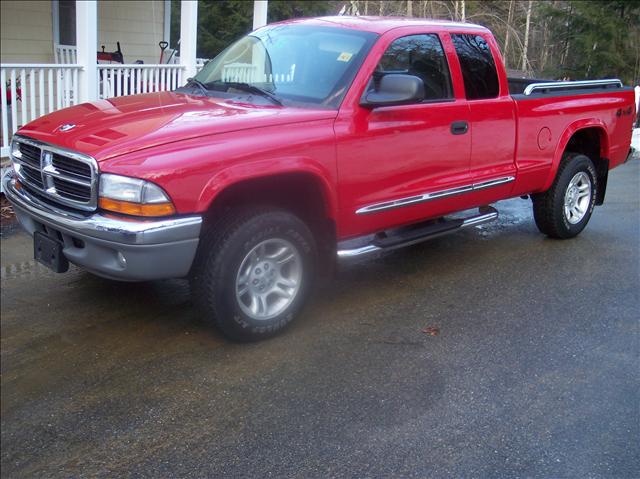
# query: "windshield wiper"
[[199, 84], [249, 88]]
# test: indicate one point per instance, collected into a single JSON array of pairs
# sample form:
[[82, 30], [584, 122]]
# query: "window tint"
[[478, 68], [422, 56]]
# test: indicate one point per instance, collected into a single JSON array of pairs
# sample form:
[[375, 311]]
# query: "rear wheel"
[[253, 272], [564, 210]]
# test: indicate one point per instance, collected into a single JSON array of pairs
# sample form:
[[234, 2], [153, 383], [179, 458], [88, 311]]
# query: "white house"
[[51, 53]]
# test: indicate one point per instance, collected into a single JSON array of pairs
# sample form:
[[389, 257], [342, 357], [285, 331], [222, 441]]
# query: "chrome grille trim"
[[57, 183]]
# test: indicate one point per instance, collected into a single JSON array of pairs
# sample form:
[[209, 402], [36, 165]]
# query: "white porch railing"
[[248, 72], [28, 91], [65, 53], [121, 80]]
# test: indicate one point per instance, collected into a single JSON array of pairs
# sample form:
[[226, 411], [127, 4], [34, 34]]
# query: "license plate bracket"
[[48, 252]]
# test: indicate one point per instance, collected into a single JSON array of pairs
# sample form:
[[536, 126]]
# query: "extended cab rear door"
[[492, 115], [400, 164]]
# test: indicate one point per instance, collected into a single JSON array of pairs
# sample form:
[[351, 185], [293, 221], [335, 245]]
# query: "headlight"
[[132, 196], [15, 150], [15, 156]]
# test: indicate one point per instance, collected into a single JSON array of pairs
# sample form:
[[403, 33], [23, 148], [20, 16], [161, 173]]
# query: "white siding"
[[27, 33], [26, 30], [137, 25]]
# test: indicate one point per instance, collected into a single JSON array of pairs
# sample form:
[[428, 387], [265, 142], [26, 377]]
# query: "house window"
[[66, 22]]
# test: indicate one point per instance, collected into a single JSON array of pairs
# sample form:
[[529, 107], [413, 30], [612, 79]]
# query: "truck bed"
[[546, 109]]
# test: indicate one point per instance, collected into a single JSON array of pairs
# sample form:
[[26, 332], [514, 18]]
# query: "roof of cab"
[[382, 25]]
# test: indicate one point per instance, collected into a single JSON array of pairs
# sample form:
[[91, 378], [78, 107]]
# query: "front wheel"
[[253, 272], [564, 210]]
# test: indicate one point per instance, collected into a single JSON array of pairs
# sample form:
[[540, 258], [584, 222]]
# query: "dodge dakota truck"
[[306, 142]]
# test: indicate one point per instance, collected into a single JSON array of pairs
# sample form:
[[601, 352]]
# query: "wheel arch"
[[590, 138], [304, 190]]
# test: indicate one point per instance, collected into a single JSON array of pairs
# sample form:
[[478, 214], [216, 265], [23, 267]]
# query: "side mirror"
[[394, 89]]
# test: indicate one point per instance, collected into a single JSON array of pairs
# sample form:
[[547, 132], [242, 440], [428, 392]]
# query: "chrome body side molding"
[[434, 195]]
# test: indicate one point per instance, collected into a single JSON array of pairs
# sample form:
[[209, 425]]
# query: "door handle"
[[459, 127]]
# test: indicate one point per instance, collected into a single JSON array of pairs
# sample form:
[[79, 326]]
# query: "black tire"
[[221, 253], [548, 207]]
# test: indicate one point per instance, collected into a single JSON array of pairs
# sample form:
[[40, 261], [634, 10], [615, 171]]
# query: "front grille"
[[30, 155], [72, 191], [64, 177], [70, 166], [33, 176]]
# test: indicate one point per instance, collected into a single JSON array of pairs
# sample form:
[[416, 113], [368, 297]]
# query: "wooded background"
[[555, 39]]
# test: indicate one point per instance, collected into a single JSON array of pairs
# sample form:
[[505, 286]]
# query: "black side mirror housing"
[[395, 89]]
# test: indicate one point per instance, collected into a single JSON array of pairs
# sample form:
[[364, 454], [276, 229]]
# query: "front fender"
[[265, 168]]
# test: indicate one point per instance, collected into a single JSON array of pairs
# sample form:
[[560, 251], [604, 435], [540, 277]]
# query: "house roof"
[[382, 25]]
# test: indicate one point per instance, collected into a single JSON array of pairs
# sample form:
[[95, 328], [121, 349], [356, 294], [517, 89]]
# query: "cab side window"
[[421, 56], [478, 68]]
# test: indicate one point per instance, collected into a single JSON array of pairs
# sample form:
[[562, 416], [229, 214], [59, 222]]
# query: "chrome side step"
[[413, 234]]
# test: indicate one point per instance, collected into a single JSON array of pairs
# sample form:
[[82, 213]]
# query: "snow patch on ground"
[[635, 140]]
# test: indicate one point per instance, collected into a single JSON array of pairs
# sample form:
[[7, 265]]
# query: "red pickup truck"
[[303, 142]]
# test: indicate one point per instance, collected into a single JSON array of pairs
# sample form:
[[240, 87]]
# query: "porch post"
[[87, 44], [188, 36], [260, 13]]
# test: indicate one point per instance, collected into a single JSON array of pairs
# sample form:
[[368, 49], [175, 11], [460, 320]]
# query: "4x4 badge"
[[67, 127]]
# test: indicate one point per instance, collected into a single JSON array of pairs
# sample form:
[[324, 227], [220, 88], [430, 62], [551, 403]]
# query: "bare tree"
[[565, 52], [526, 37], [508, 34]]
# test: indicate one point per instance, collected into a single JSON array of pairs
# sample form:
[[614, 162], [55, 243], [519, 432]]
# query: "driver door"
[[390, 154]]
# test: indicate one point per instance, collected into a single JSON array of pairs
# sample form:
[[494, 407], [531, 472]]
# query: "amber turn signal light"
[[137, 209]]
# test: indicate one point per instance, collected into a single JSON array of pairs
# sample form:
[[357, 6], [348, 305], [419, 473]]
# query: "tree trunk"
[[381, 8], [409, 8], [366, 7], [526, 37], [455, 10], [565, 53], [462, 11], [508, 34], [545, 47]]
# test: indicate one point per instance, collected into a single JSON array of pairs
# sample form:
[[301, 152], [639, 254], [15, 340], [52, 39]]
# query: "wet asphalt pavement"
[[534, 372]]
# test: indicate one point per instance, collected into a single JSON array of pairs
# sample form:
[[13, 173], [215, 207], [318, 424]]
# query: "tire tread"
[[547, 206], [214, 248]]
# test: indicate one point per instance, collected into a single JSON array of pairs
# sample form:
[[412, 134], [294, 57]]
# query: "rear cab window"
[[420, 55], [478, 66]]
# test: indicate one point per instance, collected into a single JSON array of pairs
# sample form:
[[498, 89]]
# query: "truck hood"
[[108, 128]]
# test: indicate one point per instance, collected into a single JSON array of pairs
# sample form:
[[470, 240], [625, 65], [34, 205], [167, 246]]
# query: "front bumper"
[[109, 245]]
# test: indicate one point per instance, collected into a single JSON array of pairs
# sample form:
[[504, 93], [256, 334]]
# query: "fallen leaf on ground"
[[431, 331], [6, 211]]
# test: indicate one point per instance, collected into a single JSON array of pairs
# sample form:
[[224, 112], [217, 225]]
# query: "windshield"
[[300, 64]]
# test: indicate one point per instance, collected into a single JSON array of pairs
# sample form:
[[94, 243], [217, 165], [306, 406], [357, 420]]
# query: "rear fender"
[[566, 137]]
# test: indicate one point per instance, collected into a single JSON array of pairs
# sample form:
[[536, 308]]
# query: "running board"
[[409, 235]]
